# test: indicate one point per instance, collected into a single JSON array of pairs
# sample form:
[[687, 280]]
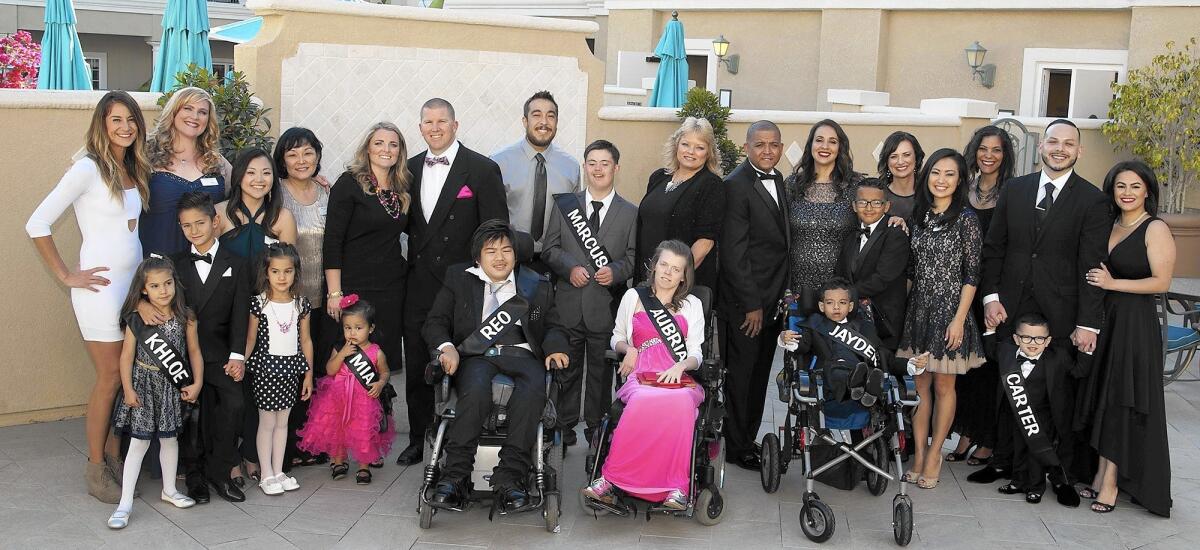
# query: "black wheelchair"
[[705, 502]]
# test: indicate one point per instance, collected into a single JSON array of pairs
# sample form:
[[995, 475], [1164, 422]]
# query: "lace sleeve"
[[972, 247]]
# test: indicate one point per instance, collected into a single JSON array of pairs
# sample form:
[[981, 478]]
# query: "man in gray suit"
[[589, 243]]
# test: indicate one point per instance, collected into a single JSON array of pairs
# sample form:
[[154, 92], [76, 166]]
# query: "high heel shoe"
[[954, 456]]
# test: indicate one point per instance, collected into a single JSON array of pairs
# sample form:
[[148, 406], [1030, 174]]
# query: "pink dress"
[[652, 446], [344, 419]]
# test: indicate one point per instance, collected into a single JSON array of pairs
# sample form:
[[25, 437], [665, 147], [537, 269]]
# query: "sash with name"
[[664, 323], [586, 235], [362, 368], [1018, 399], [499, 323], [855, 341], [171, 362]]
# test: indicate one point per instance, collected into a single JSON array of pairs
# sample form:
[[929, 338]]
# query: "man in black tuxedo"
[[874, 259], [474, 299], [754, 269], [454, 190], [1048, 229], [216, 286]]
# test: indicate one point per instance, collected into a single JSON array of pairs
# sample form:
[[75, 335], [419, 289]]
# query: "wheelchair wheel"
[[816, 520], [550, 513], [769, 473], [902, 520], [426, 515], [876, 483], [710, 507], [787, 446]]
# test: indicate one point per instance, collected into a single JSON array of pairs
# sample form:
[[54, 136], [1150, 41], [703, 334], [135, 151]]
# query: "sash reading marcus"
[[168, 360], [585, 234]]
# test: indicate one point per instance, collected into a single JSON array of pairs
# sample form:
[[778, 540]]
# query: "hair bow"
[[347, 301]]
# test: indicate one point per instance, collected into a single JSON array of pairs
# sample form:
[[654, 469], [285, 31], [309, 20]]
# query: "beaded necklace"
[[388, 199]]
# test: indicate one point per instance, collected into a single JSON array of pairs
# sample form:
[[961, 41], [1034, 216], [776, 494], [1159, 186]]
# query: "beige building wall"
[[1151, 28]]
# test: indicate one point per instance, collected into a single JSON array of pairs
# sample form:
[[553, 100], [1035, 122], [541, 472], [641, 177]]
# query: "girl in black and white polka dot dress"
[[281, 359]]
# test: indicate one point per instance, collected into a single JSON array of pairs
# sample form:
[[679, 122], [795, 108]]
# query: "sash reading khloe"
[[857, 343], [573, 213], [170, 362], [362, 368], [496, 325], [664, 323], [1014, 385]]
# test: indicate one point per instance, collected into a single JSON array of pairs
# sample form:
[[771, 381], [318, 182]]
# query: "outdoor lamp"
[[721, 48], [986, 73]]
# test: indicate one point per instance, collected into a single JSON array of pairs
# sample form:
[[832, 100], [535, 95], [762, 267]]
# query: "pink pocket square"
[[465, 193]]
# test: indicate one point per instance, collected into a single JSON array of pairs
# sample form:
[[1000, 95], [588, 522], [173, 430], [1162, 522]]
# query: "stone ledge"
[[465, 17], [666, 114], [959, 107], [67, 99], [858, 97]]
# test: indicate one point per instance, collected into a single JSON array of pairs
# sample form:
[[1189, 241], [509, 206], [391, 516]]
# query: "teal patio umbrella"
[[184, 41], [670, 86], [63, 67]]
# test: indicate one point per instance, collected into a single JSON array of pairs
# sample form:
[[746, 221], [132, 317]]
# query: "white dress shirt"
[[433, 179], [203, 269], [1027, 365], [862, 239], [604, 207], [772, 187], [502, 295]]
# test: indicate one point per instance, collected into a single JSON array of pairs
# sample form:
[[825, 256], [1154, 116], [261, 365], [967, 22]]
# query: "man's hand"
[[753, 323], [557, 361], [449, 360], [605, 276], [579, 277], [994, 314], [1084, 340], [235, 369], [149, 314]]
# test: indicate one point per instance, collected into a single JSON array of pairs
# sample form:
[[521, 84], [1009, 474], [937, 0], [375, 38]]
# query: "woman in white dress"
[[108, 190]]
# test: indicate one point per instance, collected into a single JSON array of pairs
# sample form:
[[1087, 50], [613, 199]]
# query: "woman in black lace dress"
[[944, 265]]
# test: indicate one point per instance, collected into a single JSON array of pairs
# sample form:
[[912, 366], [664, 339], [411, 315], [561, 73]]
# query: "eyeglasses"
[[872, 204], [1032, 339]]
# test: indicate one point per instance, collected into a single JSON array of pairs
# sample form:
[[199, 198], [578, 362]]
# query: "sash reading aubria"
[[664, 323]]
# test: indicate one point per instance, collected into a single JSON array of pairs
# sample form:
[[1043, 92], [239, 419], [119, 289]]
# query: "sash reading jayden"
[[664, 323], [362, 368], [585, 234], [170, 361], [496, 325], [854, 340], [1031, 428]]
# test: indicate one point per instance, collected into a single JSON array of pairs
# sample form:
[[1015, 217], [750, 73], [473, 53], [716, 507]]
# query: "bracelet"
[[332, 295]]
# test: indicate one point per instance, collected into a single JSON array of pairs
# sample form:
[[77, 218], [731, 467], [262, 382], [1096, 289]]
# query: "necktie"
[[490, 302], [207, 257], [434, 161], [594, 219], [539, 198], [1043, 207]]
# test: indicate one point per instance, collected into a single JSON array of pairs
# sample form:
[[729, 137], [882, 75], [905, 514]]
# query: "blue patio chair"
[[1180, 341]]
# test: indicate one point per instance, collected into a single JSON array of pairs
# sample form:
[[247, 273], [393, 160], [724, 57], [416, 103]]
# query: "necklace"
[[1135, 222], [986, 197], [283, 327], [388, 199]]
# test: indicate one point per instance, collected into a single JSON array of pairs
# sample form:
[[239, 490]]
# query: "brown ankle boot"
[[101, 485], [115, 467]]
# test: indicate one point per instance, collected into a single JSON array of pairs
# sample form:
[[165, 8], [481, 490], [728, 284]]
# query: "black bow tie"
[[1024, 360], [865, 231], [206, 257], [765, 177]]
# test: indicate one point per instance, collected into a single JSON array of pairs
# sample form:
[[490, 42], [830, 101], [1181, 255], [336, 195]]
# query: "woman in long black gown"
[[1125, 391]]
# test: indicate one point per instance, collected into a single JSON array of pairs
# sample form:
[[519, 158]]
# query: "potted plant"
[[20, 57], [702, 103], [241, 116], [1156, 116]]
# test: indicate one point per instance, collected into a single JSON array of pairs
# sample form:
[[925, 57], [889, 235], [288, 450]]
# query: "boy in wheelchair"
[[493, 318]]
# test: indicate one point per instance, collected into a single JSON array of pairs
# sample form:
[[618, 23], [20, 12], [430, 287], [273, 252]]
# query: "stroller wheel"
[[816, 520], [550, 511], [876, 483], [902, 520], [426, 515], [710, 507], [770, 470]]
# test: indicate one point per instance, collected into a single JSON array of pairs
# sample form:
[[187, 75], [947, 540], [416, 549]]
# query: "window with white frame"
[[1070, 83], [98, 69], [222, 68]]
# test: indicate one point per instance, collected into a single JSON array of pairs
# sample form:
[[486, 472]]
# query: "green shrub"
[[242, 119]]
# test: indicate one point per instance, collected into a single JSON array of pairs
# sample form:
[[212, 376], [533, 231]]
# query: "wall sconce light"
[[986, 73], [721, 48]]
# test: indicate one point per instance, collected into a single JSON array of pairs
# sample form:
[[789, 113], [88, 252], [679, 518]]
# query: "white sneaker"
[[118, 520], [179, 500], [288, 483], [271, 486]]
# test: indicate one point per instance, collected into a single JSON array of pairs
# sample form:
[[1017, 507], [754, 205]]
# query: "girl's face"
[[192, 118], [989, 155], [281, 274], [1130, 192], [159, 289], [668, 272], [692, 152], [121, 126], [943, 178], [356, 329], [301, 162], [383, 149], [256, 182], [825, 146], [902, 161]]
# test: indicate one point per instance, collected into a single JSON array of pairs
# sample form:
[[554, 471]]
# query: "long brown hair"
[[162, 143], [398, 176], [676, 247], [99, 148], [179, 308]]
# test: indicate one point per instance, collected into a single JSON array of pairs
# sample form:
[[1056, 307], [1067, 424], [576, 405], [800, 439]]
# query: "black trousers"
[[588, 374], [474, 384], [248, 448], [747, 370], [191, 445], [1030, 468], [222, 406]]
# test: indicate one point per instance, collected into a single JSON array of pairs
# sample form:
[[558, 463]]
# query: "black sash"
[[664, 323], [859, 344], [1018, 398], [169, 361], [496, 325], [585, 235], [362, 368]]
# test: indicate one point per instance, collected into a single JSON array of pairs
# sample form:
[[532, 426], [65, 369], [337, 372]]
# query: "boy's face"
[[870, 204], [497, 259], [1027, 337], [199, 228], [601, 171], [836, 304]]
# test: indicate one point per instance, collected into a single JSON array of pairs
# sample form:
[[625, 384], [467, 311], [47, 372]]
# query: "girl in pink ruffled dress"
[[345, 417], [650, 455]]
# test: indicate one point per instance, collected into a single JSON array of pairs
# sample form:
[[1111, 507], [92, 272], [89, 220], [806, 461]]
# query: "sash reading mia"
[[573, 213], [664, 323], [169, 361], [362, 368]]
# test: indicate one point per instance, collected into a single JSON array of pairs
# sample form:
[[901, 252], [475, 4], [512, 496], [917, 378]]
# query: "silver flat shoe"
[[179, 500], [118, 520], [675, 500]]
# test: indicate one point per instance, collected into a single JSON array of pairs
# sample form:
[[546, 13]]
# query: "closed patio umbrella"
[[184, 41], [63, 67], [670, 86]]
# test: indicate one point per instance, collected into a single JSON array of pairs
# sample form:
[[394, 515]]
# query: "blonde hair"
[[398, 176], [162, 142], [692, 125], [99, 147]]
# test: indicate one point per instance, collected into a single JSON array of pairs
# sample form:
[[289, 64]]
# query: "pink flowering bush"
[[20, 57]]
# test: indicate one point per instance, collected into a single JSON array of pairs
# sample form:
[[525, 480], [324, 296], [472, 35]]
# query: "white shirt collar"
[[1023, 358], [211, 250], [478, 272], [607, 200], [874, 225], [450, 153], [1058, 182], [760, 173]]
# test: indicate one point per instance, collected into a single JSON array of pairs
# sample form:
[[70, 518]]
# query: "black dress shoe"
[[409, 456], [1066, 495], [449, 495], [987, 474], [749, 461], [228, 490], [198, 492], [512, 499], [569, 439]]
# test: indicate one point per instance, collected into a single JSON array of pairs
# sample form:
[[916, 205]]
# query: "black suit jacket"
[[221, 304], [446, 238], [458, 311], [754, 246], [1051, 261], [877, 273]]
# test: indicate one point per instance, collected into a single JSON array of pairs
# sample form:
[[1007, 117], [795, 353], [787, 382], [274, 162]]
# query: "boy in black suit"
[[874, 258], [217, 289]]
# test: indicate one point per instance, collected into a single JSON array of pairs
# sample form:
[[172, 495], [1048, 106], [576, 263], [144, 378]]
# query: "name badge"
[[209, 182], [268, 240], [322, 209]]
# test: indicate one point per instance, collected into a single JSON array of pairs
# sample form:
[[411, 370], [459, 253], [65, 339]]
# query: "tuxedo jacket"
[[458, 311], [473, 193], [593, 304], [1051, 260], [754, 246], [878, 273], [221, 304], [1057, 364]]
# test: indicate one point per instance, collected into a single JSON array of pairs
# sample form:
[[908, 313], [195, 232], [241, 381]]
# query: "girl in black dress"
[[1124, 392]]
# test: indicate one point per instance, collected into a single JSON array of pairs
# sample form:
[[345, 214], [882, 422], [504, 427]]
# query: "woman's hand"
[[149, 314], [190, 393], [376, 389], [897, 221], [86, 278], [629, 362], [671, 375], [954, 335], [322, 181], [131, 399], [333, 308], [1099, 276]]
